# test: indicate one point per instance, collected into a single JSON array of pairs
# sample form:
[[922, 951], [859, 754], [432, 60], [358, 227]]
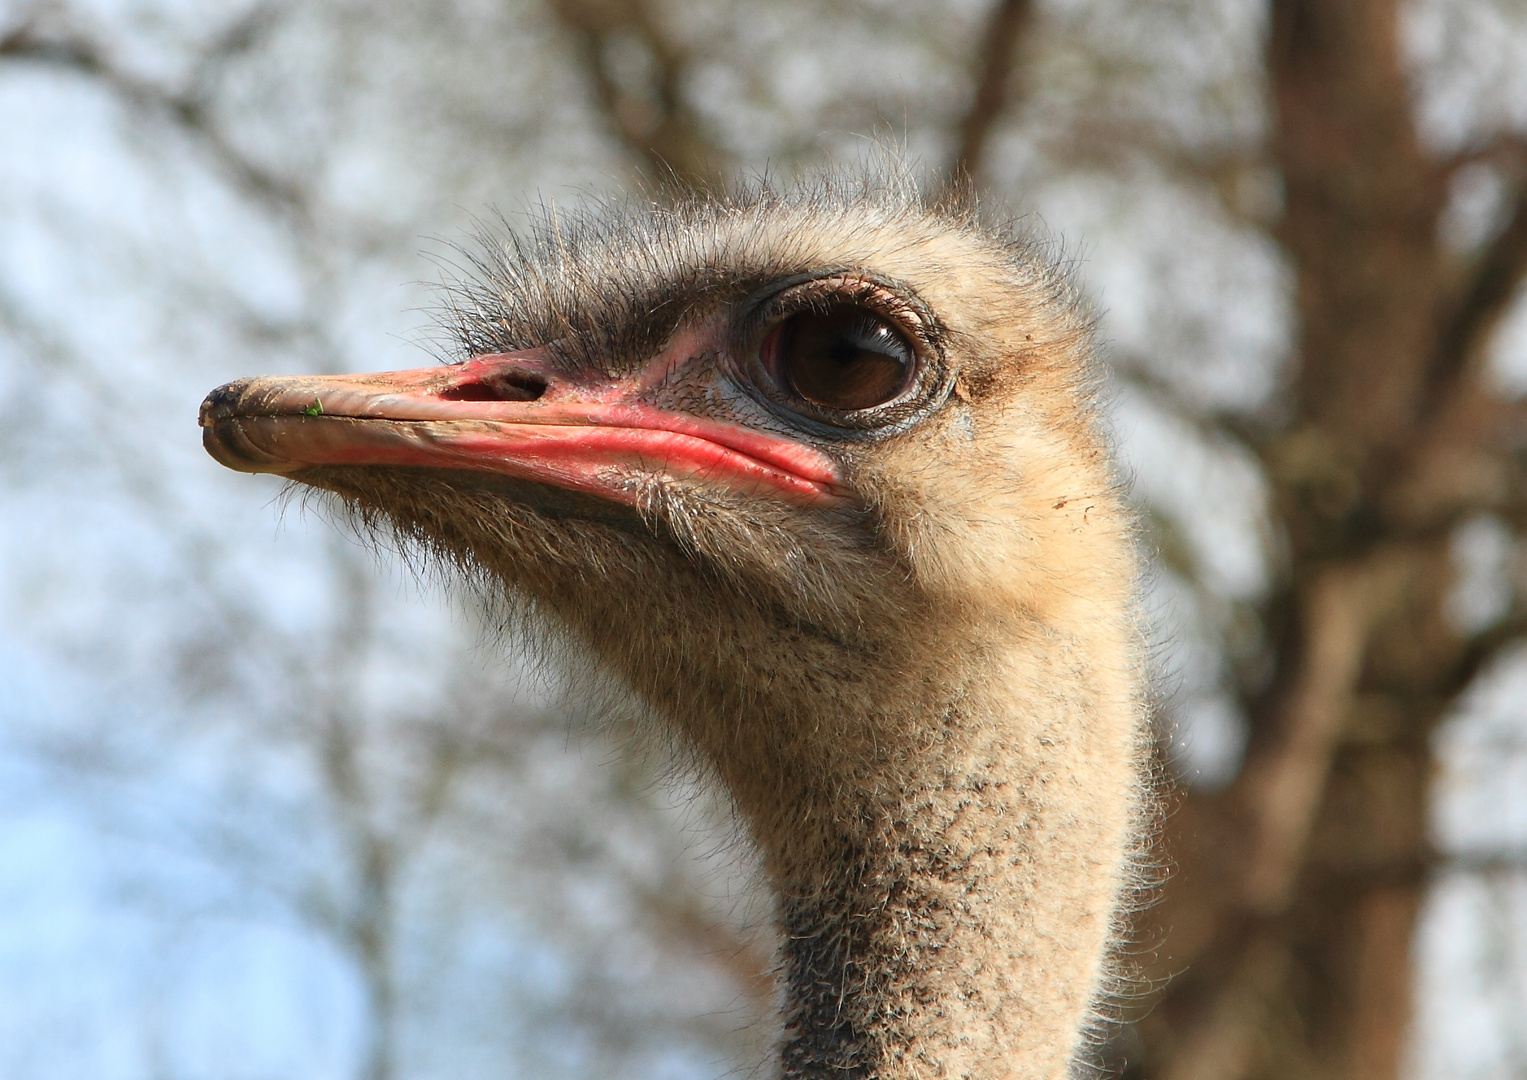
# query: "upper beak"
[[508, 413]]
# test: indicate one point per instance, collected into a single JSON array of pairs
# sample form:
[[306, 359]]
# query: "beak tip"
[[224, 438], [222, 403]]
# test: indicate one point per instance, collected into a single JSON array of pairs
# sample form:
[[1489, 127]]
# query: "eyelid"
[[820, 294]]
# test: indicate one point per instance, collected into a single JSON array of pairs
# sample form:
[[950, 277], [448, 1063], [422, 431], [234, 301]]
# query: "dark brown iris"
[[845, 358]]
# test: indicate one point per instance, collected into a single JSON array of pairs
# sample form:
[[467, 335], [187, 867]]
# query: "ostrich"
[[817, 475]]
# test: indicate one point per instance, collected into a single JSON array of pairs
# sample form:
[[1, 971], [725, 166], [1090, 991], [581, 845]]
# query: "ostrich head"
[[818, 476]]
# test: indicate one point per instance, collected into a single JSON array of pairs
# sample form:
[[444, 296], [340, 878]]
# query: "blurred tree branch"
[[1484, 863], [70, 49], [1283, 776], [1001, 41], [637, 67], [1504, 150], [1466, 329]]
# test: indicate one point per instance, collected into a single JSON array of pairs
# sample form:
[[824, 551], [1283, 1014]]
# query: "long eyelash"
[[872, 332]]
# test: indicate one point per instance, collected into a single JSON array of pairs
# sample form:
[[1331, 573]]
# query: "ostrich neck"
[[953, 920], [878, 973]]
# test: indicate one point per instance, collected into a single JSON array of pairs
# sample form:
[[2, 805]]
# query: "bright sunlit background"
[[268, 807]]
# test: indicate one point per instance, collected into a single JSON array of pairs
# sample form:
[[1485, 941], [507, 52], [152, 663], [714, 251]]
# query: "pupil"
[[845, 359]]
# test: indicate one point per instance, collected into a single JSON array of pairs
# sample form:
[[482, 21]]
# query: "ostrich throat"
[[940, 822]]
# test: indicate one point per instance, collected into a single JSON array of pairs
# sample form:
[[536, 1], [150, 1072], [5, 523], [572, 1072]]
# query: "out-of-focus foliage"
[[269, 808]]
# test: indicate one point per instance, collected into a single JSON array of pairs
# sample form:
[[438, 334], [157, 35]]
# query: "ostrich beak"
[[507, 413]]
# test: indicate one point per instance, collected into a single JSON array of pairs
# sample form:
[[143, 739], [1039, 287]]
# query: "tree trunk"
[[1297, 891]]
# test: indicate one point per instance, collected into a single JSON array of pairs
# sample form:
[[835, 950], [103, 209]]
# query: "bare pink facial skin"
[[517, 415]]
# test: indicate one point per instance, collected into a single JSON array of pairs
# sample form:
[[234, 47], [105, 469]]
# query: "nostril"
[[498, 386]]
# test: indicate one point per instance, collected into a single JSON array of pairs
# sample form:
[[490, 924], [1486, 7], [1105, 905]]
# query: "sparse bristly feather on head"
[[817, 474]]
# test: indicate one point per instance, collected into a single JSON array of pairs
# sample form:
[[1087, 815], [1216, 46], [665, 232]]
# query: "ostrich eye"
[[843, 359]]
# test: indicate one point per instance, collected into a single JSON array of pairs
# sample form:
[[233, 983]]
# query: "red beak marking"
[[502, 413]]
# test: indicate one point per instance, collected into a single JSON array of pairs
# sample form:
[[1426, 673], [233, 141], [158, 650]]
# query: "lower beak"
[[502, 413]]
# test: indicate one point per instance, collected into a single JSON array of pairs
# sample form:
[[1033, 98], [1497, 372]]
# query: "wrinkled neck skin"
[[946, 795]]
